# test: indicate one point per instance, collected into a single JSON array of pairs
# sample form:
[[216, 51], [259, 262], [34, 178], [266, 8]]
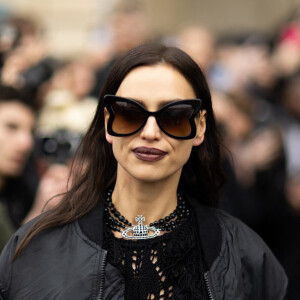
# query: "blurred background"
[[69, 26], [55, 56]]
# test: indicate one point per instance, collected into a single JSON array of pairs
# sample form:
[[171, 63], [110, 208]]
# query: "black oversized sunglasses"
[[176, 119]]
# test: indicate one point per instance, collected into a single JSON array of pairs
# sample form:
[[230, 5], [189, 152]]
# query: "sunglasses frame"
[[110, 99]]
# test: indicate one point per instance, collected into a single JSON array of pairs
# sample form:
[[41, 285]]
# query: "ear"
[[201, 127], [108, 137]]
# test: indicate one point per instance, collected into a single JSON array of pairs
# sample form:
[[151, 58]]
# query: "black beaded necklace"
[[116, 222]]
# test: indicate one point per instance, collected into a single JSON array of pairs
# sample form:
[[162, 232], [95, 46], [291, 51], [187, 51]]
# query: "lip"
[[149, 154]]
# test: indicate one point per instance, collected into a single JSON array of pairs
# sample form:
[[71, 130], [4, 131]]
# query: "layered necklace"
[[116, 222]]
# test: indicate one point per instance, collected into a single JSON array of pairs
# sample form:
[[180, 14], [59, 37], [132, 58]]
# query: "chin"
[[151, 177], [149, 173]]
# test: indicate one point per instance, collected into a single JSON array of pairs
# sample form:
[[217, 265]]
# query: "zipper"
[[209, 292], [102, 278]]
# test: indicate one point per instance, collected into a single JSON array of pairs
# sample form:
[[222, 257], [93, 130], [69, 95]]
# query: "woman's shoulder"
[[239, 236], [52, 235], [236, 230], [223, 226], [244, 255], [17, 236], [7, 255], [49, 251], [222, 232], [227, 225], [231, 223]]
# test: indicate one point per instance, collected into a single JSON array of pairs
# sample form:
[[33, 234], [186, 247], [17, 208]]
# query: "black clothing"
[[6, 227], [167, 267], [17, 199], [18, 195], [69, 262]]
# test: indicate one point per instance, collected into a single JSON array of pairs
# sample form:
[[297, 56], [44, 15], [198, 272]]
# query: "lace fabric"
[[169, 266]]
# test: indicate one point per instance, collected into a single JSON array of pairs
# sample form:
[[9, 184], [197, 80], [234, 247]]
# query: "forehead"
[[152, 85], [16, 112]]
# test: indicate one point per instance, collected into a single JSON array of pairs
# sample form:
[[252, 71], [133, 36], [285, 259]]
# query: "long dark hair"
[[94, 167]]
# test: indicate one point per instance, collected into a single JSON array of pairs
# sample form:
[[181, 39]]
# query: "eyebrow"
[[161, 103]]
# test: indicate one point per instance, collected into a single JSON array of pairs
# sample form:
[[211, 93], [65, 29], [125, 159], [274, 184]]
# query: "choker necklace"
[[116, 222]]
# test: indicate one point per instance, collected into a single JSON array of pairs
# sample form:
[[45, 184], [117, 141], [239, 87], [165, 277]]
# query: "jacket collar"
[[209, 228], [91, 224]]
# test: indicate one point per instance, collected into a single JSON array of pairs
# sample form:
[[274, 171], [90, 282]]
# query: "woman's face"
[[150, 155]]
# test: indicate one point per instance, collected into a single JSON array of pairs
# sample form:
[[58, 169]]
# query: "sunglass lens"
[[175, 120], [128, 117]]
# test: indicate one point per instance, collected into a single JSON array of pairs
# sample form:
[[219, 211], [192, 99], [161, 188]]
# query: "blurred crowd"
[[46, 104]]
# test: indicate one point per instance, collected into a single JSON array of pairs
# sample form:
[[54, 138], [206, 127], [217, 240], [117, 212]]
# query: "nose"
[[151, 130]]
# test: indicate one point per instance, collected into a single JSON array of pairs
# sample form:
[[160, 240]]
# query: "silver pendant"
[[140, 231]]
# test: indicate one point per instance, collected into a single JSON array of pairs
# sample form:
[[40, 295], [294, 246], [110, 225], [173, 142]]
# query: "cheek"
[[115, 148], [119, 147], [6, 151], [186, 155], [5, 140], [183, 152]]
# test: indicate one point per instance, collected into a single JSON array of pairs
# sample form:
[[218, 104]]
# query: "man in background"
[[18, 180]]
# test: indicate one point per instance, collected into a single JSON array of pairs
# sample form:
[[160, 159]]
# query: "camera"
[[57, 147]]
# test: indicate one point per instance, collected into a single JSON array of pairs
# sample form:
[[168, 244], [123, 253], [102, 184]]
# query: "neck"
[[153, 200]]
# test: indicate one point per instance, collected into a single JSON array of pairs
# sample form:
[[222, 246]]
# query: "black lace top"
[[165, 267]]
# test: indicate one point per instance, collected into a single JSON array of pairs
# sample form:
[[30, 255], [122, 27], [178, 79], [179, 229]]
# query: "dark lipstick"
[[149, 154]]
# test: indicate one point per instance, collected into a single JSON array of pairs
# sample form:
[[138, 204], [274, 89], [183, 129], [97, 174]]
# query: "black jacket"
[[68, 262]]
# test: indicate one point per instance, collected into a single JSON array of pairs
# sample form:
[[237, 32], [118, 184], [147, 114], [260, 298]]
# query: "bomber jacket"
[[68, 262]]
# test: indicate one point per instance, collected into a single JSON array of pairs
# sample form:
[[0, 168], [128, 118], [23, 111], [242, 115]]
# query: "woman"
[[137, 222]]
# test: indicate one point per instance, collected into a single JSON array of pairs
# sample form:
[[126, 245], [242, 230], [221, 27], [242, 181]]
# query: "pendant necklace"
[[116, 222]]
